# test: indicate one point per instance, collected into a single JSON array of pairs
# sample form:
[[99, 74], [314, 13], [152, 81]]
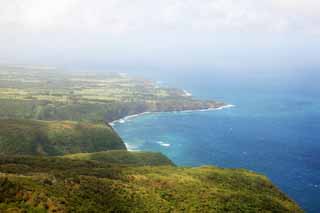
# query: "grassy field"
[[44, 184]]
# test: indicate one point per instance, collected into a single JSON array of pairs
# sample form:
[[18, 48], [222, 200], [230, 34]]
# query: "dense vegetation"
[[32, 137], [124, 157], [62, 185]]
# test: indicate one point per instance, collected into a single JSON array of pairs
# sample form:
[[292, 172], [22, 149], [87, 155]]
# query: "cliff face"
[[32, 137], [40, 184], [54, 165]]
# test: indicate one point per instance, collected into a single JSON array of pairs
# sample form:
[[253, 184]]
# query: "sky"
[[161, 35]]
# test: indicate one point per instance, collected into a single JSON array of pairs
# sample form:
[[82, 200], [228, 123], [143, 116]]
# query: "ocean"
[[273, 128]]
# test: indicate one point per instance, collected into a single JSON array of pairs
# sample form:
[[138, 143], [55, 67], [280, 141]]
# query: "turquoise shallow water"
[[274, 130]]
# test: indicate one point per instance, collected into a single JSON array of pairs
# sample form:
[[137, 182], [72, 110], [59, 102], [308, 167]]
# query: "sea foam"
[[131, 147], [129, 117], [161, 143]]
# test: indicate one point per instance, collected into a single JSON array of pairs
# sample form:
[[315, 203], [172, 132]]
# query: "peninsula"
[[52, 94], [59, 154]]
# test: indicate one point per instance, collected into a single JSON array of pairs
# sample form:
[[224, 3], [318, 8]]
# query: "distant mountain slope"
[[41, 184], [32, 137], [124, 157]]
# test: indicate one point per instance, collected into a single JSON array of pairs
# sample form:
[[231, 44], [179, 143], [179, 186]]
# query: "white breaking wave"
[[219, 108], [127, 118], [131, 147], [161, 143], [122, 121], [208, 109], [186, 93]]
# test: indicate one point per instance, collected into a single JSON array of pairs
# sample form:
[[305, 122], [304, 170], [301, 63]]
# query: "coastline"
[[126, 118]]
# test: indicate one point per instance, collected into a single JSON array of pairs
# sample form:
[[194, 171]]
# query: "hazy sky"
[[175, 34]]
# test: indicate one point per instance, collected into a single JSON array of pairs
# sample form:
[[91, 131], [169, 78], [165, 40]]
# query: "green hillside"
[[48, 164], [41, 184], [32, 137], [124, 157]]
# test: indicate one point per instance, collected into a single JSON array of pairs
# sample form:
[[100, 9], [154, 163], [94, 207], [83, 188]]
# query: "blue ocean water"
[[273, 129]]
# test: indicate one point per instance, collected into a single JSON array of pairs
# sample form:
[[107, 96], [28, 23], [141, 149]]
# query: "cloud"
[[123, 16], [135, 32]]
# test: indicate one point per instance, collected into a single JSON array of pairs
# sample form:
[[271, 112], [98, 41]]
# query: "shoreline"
[[124, 119]]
